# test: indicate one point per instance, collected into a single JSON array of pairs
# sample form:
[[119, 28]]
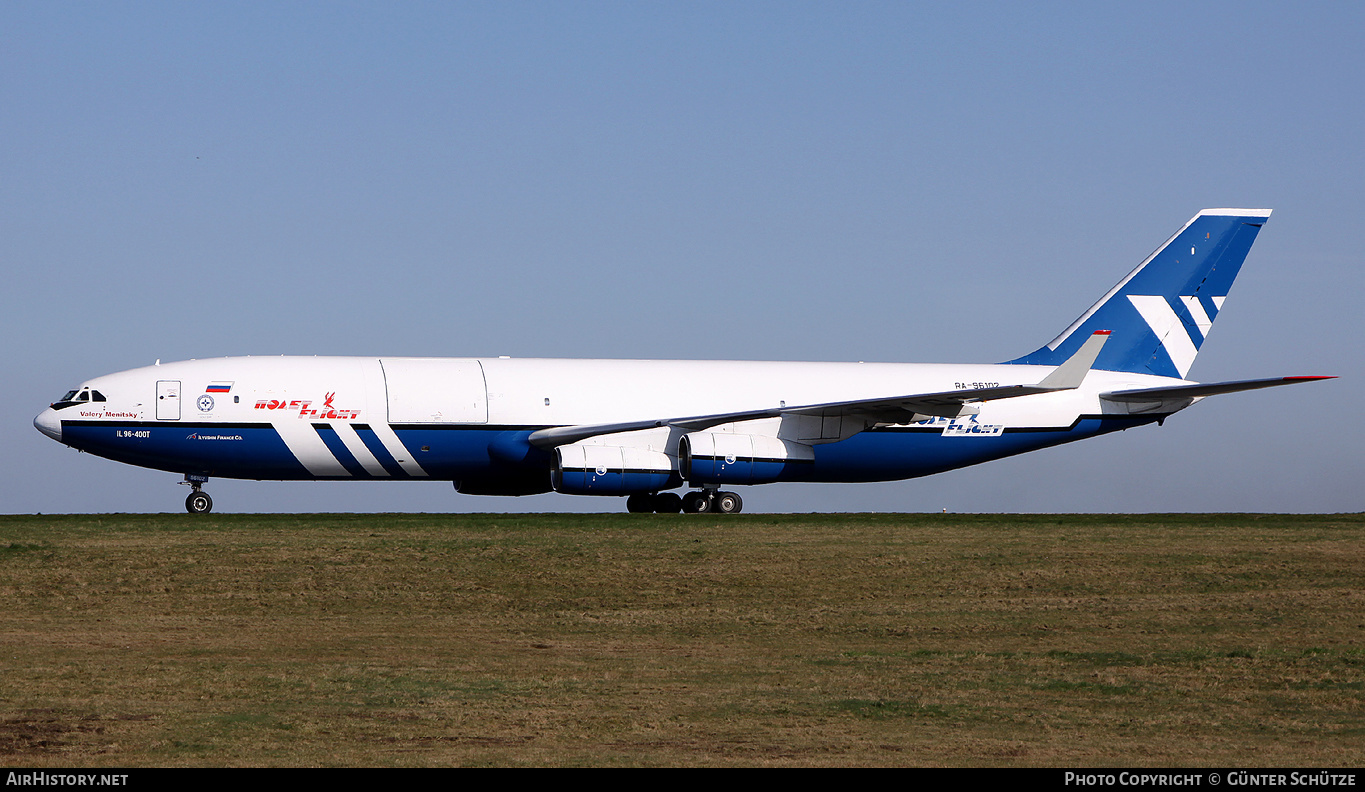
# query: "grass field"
[[1076, 640]]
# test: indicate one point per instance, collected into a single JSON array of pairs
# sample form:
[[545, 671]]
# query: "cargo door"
[[168, 400], [435, 390]]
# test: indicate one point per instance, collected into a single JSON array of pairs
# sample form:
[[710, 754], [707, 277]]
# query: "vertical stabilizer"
[[1159, 316]]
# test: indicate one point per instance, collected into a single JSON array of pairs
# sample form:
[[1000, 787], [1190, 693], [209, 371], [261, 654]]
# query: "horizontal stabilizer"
[[1207, 389]]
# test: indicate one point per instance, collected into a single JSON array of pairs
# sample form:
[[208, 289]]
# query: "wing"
[[894, 409]]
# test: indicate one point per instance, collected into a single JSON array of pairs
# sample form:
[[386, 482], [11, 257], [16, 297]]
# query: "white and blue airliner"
[[643, 428]]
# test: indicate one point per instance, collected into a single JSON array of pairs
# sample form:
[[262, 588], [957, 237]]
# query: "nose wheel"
[[198, 501]]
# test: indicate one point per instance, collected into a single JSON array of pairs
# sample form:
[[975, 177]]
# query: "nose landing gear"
[[198, 501]]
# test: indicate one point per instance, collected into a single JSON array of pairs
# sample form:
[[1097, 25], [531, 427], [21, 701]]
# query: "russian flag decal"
[[218, 387]]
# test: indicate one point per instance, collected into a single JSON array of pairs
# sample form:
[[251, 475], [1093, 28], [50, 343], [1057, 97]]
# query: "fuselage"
[[498, 426], [469, 419]]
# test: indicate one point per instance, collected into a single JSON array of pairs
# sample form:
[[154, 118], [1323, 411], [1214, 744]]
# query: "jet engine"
[[612, 470], [726, 458]]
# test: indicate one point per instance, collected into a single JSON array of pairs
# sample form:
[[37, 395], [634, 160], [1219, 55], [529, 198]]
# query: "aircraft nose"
[[49, 424]]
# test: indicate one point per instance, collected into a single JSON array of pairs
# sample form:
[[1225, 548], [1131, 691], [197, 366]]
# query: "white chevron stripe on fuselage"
[[395, 447], [356, 446], [309, 449]]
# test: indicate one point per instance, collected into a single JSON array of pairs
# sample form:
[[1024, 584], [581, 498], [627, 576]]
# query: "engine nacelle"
[[612, 470], [725, 458]]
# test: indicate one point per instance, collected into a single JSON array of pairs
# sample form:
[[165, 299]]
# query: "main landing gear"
[[699, 502], [198, 501]]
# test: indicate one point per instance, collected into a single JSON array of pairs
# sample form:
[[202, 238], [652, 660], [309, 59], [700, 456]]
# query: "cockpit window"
[[79, 396]]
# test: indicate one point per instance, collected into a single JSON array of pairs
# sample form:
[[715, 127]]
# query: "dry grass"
[[1234, 640]]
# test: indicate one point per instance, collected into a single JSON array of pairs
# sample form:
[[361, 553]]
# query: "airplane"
[[642, 428]]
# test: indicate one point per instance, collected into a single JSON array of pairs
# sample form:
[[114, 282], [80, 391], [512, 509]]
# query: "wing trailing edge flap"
[[849, 414]]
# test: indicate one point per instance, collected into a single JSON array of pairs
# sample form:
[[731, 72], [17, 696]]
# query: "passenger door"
[[168, 400]]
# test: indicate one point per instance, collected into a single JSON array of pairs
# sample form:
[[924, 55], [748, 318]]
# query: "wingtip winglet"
[[1071, 373]]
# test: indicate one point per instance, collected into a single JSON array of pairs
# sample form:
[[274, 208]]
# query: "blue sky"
[[798, 181]]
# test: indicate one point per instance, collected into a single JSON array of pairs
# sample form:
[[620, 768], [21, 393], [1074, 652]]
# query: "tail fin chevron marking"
[[1167, 328], [1201, 319]]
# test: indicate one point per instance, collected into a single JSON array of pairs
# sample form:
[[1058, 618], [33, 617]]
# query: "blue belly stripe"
[[247, 450]]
